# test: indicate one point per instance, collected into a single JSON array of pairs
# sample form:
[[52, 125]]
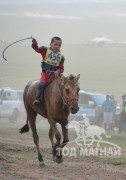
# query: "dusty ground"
[[18, 160]]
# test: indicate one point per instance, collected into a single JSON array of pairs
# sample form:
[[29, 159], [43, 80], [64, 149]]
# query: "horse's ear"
[[77, 77], [63, 78]]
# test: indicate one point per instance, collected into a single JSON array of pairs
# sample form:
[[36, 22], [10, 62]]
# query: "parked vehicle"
[[9, 104], [22, 108], [90, 103]]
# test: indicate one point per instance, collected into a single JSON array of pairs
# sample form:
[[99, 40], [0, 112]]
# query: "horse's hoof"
[[41, 163], [58, 160]]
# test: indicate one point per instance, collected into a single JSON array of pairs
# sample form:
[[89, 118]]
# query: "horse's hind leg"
[[51, 136], [32, 122]]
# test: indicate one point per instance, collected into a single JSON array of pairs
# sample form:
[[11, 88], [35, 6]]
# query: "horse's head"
[[70, 92]]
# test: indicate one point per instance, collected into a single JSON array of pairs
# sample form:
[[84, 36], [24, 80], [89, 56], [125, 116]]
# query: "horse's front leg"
[[64, 142], [57, 156], [65, 136]]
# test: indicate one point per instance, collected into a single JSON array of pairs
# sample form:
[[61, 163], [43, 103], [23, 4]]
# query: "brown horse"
[[60, 98]]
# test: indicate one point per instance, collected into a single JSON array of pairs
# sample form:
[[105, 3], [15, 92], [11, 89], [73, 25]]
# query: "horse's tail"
[[25, 128]]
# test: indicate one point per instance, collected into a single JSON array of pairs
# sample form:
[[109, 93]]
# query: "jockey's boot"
[[40, 93]]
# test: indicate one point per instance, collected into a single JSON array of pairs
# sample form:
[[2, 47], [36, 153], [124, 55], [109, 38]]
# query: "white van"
[[9, 104]]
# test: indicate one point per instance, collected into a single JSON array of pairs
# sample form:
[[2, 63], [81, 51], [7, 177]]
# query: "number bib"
[[52, 58]]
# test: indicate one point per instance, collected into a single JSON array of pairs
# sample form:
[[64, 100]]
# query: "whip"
[[12, 44]]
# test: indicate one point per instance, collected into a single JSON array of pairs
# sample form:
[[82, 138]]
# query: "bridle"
[[65, 101]]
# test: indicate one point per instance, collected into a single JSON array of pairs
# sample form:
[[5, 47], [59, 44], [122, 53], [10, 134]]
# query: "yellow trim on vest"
[[53, 58]]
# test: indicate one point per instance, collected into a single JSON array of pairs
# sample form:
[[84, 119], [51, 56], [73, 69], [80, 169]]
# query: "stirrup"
[[36, 102]]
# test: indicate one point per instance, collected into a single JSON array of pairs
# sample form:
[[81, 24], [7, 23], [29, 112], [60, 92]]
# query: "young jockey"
[[52, 63]]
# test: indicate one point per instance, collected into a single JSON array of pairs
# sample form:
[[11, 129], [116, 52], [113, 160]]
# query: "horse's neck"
[[56, 86], [54, 91]]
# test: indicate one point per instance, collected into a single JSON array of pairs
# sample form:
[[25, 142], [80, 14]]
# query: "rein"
[[12, 44], [65, 102]]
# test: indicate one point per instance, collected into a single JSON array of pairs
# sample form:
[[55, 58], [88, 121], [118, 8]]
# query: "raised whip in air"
[[12, 44]]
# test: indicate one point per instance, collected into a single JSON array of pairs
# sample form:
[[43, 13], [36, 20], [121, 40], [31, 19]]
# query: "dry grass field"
[[18, 158], [101, 68]]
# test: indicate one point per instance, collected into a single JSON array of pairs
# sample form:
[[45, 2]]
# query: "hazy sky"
[[76, 21]]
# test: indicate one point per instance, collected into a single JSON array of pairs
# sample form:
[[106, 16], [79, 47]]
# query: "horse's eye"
[[67, 91]]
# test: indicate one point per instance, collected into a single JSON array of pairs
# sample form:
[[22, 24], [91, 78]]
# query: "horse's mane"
[[71, 77]]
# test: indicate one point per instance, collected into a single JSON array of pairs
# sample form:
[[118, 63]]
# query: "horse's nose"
[[73, 109]]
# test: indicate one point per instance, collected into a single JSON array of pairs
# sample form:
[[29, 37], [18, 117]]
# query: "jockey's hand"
[[56, 73], [34, 41]]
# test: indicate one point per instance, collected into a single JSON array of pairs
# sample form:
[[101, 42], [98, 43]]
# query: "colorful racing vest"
[[53, 58]]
